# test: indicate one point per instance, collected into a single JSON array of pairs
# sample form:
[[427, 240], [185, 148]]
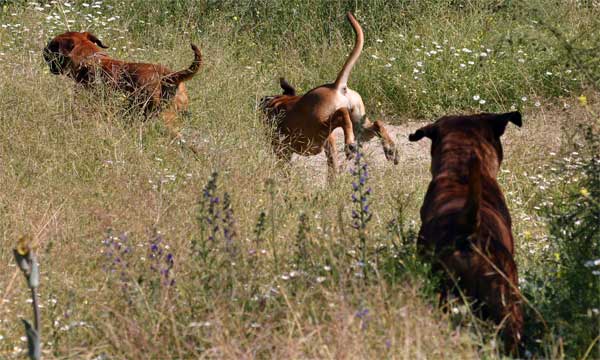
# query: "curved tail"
[[185, 75], [286, 87], [342, 79]]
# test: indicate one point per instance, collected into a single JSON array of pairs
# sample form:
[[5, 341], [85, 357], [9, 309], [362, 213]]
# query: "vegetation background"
[[150, 252]]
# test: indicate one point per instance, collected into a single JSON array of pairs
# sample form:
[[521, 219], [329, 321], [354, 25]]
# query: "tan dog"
[[466, 226], [304, 124], [277, 106], [154, 87]]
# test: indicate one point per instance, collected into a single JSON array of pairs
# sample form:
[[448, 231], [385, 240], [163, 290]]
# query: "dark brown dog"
[[304, 126], [154, 87], [466, 226], [276, 107]]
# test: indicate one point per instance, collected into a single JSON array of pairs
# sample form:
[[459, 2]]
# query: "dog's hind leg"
[[332, 157], [181, 100], [169, 118], [169, 114], [341, 118]]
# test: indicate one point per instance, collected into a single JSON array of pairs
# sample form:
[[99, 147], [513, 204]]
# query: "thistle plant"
[[403, 235], [270, 185], [161, 261], [217, 236], [363, 315], [215, 217], [208, 219], [399, 262], [259, 229], [117, 251], [302, 254], [229, 232], [255, 260], [27, 262], [209, 206], [361, 214]]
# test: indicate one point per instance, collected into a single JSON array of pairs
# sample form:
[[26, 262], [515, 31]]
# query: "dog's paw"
[[391, 153], [350, 150]]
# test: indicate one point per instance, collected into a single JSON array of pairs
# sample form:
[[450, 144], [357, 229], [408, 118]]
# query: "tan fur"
[[277, 106], [304, 124]]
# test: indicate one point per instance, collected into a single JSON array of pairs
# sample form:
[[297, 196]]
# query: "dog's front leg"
[[341, 118], [332, 160], [378, 129], [169, 118]]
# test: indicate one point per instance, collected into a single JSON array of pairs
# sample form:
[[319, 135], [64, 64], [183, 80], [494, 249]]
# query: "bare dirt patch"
[[409, 153], [542, 133]]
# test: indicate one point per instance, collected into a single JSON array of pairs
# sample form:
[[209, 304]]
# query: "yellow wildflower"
[[23, 245], [584, 192]]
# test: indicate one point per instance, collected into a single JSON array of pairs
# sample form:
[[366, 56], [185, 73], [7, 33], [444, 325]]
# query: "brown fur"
[[277, 106], [154, 87], [466, 225], [304, 124]]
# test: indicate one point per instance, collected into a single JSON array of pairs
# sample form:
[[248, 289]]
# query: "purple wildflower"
[[363, 314], [161, 262], [118, 253], [228, 225], [361, 212]]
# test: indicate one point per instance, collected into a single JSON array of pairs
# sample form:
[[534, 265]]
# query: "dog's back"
[[466, 225]]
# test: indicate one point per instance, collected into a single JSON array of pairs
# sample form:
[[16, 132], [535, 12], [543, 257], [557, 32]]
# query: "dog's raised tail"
[[185, 75], [342, 79], [286, 87]]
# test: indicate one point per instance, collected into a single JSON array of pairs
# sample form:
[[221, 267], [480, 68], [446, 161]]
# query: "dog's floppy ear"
[[61, 46], [91, 37], [286, 87], [499, 121], [429, 131]]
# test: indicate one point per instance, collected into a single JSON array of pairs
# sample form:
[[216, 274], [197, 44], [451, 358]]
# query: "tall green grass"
[[421, 58]]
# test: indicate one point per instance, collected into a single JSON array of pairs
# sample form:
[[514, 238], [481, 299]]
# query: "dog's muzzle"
[[263, 104], [56, 61]]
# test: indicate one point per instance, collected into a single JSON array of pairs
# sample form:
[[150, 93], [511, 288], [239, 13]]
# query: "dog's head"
[[58, 52], [464, 134], [275, 106]]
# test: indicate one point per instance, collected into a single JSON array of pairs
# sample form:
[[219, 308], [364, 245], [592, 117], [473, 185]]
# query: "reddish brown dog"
[[304, 123], [466, 226], [154, 87]]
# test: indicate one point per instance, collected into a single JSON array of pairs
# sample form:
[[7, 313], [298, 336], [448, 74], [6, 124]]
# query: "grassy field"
[[150, 252]]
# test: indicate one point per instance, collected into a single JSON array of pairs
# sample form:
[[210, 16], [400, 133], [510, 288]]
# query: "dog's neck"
[[450, 173], [450, 158]]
